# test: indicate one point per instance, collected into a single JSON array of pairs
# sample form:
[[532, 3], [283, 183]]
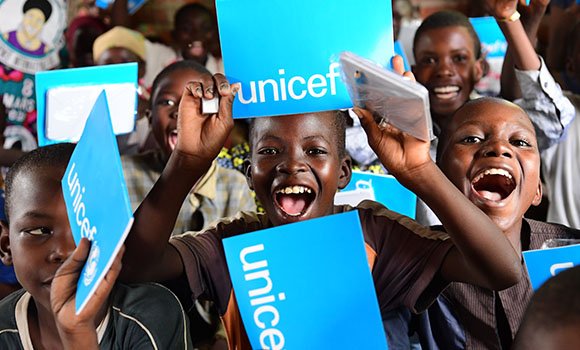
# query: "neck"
[[45, 337]]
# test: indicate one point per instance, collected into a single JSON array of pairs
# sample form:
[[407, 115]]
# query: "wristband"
[[514, 17]]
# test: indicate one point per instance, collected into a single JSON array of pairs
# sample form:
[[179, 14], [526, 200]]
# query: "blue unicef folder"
[[490, 35], [64, 99], [96, 199], [306, 285], [132, 5], [384, 189], [285, 53], [545, 263]]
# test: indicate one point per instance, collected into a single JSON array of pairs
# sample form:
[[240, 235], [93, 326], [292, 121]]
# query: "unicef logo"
[[91, 266]]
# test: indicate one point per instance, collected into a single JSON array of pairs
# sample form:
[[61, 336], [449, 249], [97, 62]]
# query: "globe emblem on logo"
[[91, 265]]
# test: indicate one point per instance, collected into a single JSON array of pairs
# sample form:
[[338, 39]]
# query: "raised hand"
[[503, 9], [202, 136], [403, 155], [399, 67], [79, 331]]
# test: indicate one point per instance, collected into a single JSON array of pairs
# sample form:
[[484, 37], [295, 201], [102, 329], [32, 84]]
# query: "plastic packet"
[[68, 107], [391, 98], [559, 242]]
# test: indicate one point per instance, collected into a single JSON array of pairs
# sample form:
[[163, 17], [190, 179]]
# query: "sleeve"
[[205, 266], [549, 110], [408, 259], [151, 317]]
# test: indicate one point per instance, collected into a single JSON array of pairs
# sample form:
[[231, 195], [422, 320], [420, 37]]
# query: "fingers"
[[398, 64], [368, 123], [76, 261], [399, 67]]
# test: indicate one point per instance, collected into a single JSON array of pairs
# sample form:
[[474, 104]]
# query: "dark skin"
[[446, 65], [195, 35], [482, 255], [494, 134], [38, 242]]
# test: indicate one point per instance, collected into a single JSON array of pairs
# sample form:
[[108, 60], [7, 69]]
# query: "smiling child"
[[297, 163], [489, 151], [37, 241], [219, 193]]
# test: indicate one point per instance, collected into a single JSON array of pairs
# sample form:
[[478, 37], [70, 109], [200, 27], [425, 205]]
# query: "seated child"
[[489, 151], [552, 318], [219, 193], [38, 242], [296, 165]]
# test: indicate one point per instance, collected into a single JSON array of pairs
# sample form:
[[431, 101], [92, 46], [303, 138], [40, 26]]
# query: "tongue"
[[172, 141], [493, 196], [292, 204]]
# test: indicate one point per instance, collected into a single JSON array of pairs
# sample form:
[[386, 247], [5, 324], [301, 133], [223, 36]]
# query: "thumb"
[[76, 261], [227, 102], [369, 125]]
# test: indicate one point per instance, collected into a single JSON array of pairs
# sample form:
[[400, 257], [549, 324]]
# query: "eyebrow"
[[36, 215]]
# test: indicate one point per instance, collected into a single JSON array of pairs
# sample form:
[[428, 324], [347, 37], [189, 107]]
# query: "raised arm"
[[482, 253], [532, 15], [149, 257]]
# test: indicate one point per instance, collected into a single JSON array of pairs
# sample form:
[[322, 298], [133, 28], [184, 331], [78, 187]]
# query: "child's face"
[[194, 35], [38, 239], [447, 67], [295, 167], [490, 153], [165, 105]]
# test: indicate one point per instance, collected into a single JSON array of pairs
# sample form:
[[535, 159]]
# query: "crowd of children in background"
[[494, 160]]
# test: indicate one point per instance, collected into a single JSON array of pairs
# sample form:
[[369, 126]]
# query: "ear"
[[5, 253], [538, 197], [480, 69], [345, 172], [248, 173]]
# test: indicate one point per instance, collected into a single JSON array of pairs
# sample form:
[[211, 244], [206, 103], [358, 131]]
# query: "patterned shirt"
[[219, 193]]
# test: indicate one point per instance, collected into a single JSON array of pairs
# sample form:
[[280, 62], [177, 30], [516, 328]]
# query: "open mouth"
[[172, 139], [494, 184], [196, 48], [446, 92], [294, 200]]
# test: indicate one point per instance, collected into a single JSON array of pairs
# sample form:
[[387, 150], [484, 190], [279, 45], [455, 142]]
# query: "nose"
[[62, 247], [445, 67], [497, 148], [292, 164], [174, 114]]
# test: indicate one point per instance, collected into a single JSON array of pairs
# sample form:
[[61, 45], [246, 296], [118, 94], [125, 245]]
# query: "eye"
[[166, 102], [316, 151], [427, 60], [460, 58], [471, 139], [520, 143], [268, 151], [38, 231]]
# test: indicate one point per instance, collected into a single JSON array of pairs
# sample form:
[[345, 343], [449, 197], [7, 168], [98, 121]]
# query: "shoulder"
[[242, 222], [230, 177], [540, 231], [375, 218], [148, 314], [143, 160], [9, 334]]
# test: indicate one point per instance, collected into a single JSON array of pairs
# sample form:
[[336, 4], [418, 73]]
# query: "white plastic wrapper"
[[391, 98], [68, 107]]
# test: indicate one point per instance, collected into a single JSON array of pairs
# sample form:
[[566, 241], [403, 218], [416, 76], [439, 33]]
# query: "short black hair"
[[179, 65], [442, 19], [190, 9], [555, 305], [52, 156], [338, 125], [42, 5]]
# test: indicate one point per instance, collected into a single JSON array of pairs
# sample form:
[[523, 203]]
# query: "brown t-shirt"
[[404, 258]]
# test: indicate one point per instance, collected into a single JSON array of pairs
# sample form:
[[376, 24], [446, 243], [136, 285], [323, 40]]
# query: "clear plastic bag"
[[392, 98]]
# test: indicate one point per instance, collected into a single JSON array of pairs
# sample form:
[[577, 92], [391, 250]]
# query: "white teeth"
[[445, 89], [294, 190], [492, 171]]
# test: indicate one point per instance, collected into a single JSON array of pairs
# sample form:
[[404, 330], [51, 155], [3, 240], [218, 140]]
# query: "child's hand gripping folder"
[[390, 97]]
